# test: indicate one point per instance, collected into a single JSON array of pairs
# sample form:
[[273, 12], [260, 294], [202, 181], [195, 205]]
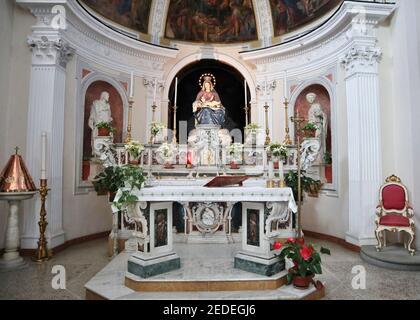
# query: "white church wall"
[[405, 40], [15, 60], [6, 36]]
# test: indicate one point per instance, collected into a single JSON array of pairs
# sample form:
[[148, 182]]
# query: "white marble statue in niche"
[[317, 116], [99, 112]]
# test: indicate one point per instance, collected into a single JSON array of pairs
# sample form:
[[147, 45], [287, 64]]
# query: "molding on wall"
[[65, 245], [339, 241]]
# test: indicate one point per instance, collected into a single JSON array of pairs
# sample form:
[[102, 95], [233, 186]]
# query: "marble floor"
[[83, 261]]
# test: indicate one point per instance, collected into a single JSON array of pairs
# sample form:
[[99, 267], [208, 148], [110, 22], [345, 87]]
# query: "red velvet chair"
[[394, 213]]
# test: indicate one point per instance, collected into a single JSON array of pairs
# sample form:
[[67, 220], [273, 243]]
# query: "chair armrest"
[[379, 211], [410, 212]]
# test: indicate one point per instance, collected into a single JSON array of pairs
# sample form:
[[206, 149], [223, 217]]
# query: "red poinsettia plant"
[[306, 259]]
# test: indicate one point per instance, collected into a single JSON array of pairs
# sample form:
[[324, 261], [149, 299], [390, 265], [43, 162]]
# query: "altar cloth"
[[203, 194]]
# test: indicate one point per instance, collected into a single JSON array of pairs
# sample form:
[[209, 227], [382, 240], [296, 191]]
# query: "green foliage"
[[110, 180], [134, 148], [327, 158], [106, 125], [291, 179], [310, 126], [277, 150]]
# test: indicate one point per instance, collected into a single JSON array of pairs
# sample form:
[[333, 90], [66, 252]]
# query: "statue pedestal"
[[205, 142]]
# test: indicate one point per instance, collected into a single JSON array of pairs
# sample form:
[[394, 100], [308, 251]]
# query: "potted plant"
[[251, 131], [309, 130], [306, 261], [155, 129], [235, 152], [134, 149], [328, 166], [167, 153], [309, 185], [133, 180], [278, 152], [109, 181], [105, 128]]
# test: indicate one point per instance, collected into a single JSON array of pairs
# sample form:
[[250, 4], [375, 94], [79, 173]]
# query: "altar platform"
[[207, 273]]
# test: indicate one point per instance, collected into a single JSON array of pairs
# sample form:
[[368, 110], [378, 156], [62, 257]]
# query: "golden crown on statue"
[[207, 77]]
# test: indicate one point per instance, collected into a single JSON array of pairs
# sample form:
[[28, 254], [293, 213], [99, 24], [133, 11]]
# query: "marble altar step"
[[206, 273]]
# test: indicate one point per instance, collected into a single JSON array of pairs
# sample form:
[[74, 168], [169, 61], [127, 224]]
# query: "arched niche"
[[302, 107], [229, 86]]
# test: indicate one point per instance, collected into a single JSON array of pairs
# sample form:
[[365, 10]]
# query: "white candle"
[[246, 93], [154, 94], [285, 86], [44, 155], [132, 84], [281, 170], [271, 170], [176, 90]]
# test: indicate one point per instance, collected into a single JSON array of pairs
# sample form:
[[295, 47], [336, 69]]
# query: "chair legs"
[[378, 235], [410, 244]]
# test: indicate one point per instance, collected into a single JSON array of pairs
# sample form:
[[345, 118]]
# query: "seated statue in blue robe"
[[207, 107]]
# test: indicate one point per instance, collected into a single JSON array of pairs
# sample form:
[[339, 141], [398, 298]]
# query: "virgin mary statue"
[[207, 107]]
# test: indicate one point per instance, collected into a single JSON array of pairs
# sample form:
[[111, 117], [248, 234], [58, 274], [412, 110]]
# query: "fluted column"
[[364, 140], [50, 54]]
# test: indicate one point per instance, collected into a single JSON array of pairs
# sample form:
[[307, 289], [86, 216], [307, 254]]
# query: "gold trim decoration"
[[393, 178]]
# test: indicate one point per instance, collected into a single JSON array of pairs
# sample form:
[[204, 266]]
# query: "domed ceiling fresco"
[[213, 21], [291, 14]]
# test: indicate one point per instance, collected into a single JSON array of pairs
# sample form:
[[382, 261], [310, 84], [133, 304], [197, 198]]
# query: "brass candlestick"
[[129, 122], [267, 129], [246, 114], [298, 121], [42, 253], [174, 140], [287, 141]]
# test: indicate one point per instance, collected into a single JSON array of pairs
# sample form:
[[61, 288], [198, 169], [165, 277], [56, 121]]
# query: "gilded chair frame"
[[407, 212]]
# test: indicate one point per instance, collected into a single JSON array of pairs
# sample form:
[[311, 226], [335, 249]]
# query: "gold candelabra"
[[42, 254], [130, 119], [154, 107], [267, 129], [287, 141], [174, 140], [298, 121]]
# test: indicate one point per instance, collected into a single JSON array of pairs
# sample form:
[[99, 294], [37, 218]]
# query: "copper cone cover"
[[15, 176]]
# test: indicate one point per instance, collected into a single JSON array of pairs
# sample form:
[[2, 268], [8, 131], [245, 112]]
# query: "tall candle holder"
[[129, 122], [246, 114], [174, 139], [267, 129], [298, 121], [42, 254], [287, 141]]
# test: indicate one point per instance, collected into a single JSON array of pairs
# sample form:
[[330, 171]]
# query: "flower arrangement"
[[252, 128], [167, 151], [156, 128], [277, 150], [306, 261], [134, 148], [309, 130], [235, 150]]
